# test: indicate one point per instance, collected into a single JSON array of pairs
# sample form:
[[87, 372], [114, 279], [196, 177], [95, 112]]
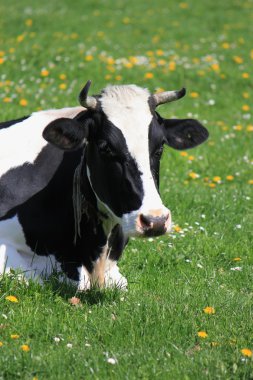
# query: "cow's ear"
[[66, 134], [184, 133]]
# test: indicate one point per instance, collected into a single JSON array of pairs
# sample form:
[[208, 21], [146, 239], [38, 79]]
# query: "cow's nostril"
[[145, 221]]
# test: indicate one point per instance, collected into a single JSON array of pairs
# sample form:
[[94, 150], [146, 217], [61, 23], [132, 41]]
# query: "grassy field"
[[188, 312]]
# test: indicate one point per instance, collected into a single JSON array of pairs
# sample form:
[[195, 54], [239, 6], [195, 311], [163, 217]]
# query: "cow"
[[76, 183]]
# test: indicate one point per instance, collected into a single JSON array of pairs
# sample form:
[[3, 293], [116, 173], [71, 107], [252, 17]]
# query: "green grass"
[[151, 331]]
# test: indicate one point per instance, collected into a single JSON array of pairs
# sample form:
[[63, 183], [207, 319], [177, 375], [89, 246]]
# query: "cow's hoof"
[[114, 279]]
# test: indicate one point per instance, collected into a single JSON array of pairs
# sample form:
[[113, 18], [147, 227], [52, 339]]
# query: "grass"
[[47, 52]]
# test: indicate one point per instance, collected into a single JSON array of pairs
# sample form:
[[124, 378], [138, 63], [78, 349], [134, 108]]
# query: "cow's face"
[[125, 139]]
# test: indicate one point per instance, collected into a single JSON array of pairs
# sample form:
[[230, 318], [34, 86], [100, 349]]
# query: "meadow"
[[188, 312]]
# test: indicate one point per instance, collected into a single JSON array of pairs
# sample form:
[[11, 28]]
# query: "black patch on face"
[[156, 142], [9, 123], [114, 174]]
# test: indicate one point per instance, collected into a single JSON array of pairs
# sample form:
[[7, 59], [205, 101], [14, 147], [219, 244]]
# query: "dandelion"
[[25, 347], [247, 352], [212, 185], [183, 5], [250, 182], [126, 20], [172, 66], [194, 94], [11, 299], [237, 127], [15, 336], [177, 228], [118, 77], [29, 22], [236, 259], [63, 76], [7, 100], [209, 310], [202, 334], [1, 344], [183, 154], [249, 128], [245, 75], [23, 102], [149, 76], [89, 58], [193, 175], [245, 107], [191, 158], [225, 45], [237, 59], [44, 73], [217, 179], [215, 67], [20, 38], [62, 86], [246, 95], [230, 177], [1, 61]]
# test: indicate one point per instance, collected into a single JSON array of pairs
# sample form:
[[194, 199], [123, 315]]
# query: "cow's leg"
[[117, 243], [84, 282], [113, 277], [97, 276]]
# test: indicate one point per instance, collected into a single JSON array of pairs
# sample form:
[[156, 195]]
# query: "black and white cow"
[[75, 183]]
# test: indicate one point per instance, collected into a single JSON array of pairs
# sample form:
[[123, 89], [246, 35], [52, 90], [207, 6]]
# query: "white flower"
[[111, 361], [236, 268], [69, 345], [57, 339]]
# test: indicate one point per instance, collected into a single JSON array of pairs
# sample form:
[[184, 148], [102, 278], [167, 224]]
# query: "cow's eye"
[[105, 149], [158, 152]]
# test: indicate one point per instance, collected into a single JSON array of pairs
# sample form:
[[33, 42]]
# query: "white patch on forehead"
[[127, 107], [23, 141]]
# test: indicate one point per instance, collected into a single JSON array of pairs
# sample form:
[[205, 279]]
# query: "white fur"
[[128, 109], [22, 142]]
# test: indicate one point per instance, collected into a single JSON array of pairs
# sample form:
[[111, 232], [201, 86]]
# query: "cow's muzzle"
[[154, 225]]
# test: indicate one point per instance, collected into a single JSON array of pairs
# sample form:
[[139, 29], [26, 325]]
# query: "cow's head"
[[125, 138]]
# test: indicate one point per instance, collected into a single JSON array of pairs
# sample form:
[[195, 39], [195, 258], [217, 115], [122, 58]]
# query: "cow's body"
[[73, 211]]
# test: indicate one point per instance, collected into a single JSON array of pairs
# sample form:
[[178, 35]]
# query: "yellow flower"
[[245, 75], [209, 310], [247, 352], [11, 298], [191, 158], [215, 67], [216, 179], [44, 73], [177, 228], [183, 5], [212, 185], [63, 86], [25, 347], [1, 344], [108, 77], [249, 128], [118, 77], [236, 259], [89, 58], [149, 75], [183, 154], [237, 59], [225, 45], [23, 102], [237, 127], [194, 94], [245, 107], [15, 336], [63, 76], [250, 182], [110, 61], [193, 175], [1, 61], [29, 22], [126, 20], [230, 178], [245, 95], [20, 38], [172, 66], [7, 100], [160, 52], [202, 334]]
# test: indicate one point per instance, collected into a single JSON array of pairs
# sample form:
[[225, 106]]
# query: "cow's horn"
[[168, 96], [85, 100]]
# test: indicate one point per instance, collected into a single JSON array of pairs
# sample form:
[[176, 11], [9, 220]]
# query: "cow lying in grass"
[[75, 183]]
